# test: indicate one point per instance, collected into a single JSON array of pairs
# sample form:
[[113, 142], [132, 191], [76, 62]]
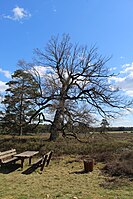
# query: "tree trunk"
[[56, 126], [58, 122], [21, 131], [54, 133]]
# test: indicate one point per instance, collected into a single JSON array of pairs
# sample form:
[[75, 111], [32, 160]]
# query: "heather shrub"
[[122, 165]]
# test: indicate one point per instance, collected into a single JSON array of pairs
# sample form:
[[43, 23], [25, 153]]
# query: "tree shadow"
[[6, 169]]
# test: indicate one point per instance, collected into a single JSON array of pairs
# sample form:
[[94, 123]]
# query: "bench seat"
[[12, 160], [37, 163]]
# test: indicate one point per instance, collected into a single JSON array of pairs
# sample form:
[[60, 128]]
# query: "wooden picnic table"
[[26, 155]]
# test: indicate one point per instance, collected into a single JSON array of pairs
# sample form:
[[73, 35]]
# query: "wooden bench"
[[7, 157], [44, 161]]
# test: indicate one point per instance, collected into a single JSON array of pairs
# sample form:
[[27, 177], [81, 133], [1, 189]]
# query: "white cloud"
[[126, 65], [128, 69], [18, 14], [6, 73], [43, 71], [116, 79], [125, 80], [123, 120], [3, 86]]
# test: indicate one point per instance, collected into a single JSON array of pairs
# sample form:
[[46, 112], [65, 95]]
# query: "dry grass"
[[59, 180]]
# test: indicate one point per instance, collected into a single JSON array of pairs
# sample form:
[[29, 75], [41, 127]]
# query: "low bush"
[[115, 152], [122, 165]]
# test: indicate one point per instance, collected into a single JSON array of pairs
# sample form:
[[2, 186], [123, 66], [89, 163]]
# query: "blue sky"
[[29, 24]]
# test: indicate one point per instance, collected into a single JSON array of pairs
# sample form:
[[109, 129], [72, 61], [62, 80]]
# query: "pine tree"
[[19, 102]]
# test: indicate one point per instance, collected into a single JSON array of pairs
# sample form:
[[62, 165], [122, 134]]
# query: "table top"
[[27, 154]]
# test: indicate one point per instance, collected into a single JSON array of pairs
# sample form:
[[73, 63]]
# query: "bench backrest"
[[7, 154]]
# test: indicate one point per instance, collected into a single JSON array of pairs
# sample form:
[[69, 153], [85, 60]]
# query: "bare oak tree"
[[74, 76]]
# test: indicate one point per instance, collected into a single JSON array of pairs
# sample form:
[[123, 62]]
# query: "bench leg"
[[30, 161], [43, 163], [22, 163]]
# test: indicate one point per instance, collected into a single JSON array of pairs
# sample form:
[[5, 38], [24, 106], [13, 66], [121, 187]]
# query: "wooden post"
[[88, 165]]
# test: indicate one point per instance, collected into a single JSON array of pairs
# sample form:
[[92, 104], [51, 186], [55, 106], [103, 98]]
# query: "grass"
[[62, 179]]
